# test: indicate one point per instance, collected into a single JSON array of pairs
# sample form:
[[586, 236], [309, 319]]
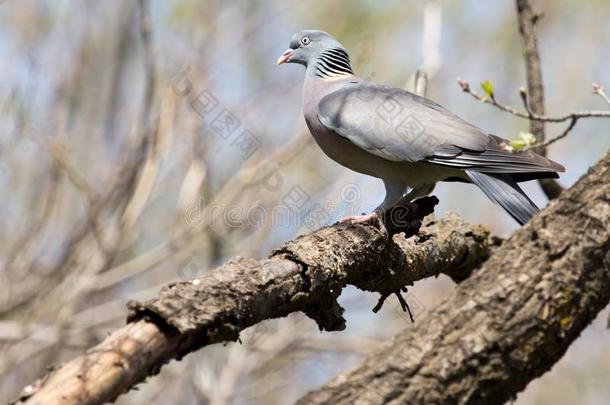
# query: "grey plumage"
[[504, 190], [395, 124], [406, 140]]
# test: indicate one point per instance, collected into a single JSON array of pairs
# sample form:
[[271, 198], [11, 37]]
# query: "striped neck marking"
[[333, 63]]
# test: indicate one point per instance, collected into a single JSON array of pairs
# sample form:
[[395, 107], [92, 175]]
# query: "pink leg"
[[360, 219], [372, 218]]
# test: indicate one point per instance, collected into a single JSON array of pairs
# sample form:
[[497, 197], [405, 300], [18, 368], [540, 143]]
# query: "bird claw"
[[359, 219], [372, 218]]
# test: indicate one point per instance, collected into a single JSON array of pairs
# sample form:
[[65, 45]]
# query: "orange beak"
[[285, 56]]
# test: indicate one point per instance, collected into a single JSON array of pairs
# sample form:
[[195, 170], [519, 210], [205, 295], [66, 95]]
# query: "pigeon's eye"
[[305, 41]]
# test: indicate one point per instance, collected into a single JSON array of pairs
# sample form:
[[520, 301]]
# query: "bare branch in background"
[[527, 19], [421, 83], [23, 243], [432, 58], [88, 253], [58, 149]]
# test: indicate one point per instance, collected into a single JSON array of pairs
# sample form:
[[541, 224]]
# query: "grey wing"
[[395, 124], [400, 126], [497, 158]]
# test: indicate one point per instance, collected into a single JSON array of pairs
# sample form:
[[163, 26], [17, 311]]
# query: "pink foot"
[[360, 219], [372, 218]]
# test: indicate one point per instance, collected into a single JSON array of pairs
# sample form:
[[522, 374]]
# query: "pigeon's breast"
[[338, 148]]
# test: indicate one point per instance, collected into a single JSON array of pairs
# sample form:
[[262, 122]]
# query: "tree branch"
[[527, 21], [306, 274], [529, 114], [540, 144], [509, 322]]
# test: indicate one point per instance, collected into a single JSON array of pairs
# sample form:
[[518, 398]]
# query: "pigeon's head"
[[309, 47]]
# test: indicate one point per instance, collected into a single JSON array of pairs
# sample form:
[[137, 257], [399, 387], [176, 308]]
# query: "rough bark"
[[527, 19], [509, 322], [306, 274]]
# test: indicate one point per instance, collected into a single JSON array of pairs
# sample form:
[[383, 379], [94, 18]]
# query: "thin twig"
[[530, 115], [556, 138], [599, 90], [58, 150], [35, 228], [572, 117], [524, 98]]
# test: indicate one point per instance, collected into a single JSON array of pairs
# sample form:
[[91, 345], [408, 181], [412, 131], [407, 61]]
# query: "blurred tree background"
[[117, 181]]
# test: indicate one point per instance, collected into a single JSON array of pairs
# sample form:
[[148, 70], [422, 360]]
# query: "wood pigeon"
[[407, 141]]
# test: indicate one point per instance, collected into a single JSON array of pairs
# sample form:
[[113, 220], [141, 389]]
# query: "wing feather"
[[395, 124], [400, 126]]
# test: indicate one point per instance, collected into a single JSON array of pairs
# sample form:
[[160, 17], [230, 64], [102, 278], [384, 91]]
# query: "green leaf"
[[526, 139], [517, 144], [488, 88]]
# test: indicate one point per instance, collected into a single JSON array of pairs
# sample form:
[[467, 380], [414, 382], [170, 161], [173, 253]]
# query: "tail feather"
[[504, 190]]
